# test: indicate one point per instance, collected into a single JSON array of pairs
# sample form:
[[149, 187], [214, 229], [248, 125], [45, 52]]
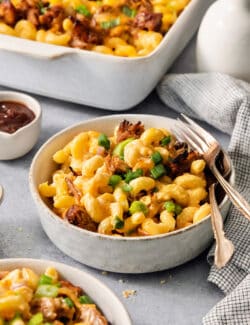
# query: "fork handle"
[[240, 203]]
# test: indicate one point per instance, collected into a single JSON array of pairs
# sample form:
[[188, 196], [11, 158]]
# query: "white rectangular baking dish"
[[90, 78]]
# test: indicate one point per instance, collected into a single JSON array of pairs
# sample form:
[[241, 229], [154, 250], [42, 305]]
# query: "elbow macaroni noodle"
[[29, 298], [120, 28], [121, 199]]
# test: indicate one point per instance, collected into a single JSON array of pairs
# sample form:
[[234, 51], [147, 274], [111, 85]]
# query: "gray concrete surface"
[[180, 296]]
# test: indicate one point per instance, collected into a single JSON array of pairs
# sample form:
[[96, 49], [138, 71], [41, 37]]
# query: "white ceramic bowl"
[[105, 299], [20, 142], [117, 254]]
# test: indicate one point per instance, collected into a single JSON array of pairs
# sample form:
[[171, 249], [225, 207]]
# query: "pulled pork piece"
[[182, 163], [8, 12], [53, 308], [115, 164], [84, 36], [76, 290], [90, 315], [127, 129], [33, 16], [78, 217], [73, 190], [140, 4], [52, 17], [148, 21]]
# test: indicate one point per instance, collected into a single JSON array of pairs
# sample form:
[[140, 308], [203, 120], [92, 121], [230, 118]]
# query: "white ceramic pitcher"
[[223, 41]]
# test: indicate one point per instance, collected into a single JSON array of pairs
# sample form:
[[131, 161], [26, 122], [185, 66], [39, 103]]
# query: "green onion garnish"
[[83, 10], [37, 319], [45, 279], [138, 206], [104, 141], [111, 23], [114, 180], [69, 302], [40, 7], [156, 157], [158, 171], [118, 223], [129, 11], [132, 175], [126, 188], [47, 290], [85, 300], [178, 209], [169, 206], [165, 141], [119, 148]]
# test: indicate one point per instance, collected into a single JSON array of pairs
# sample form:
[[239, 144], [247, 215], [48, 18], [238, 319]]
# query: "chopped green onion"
[[45, 279], [169, 206], [104, 141], [118, 223], [69, 302], [158, 171], [43, 10], [155, 189], [138, 206], [156, 157], [129, 11], [85, 300], [114, 180], [119, 148], [132, 175], [111, 23], [126, 188], [37, 319], [130, 232], [83, 10], [165, 141], [47, 290], [178, 209], [41, 7]]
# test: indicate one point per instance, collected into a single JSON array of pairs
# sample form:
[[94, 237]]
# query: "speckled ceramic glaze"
[[117, 254], [20, 142], [105, 299]]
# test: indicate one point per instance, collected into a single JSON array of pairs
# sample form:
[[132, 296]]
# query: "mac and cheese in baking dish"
[[29, 298], [126, 28], [136, 182]]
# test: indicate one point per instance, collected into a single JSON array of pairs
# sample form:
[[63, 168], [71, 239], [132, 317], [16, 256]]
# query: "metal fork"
[[224, 248], [208, 146]]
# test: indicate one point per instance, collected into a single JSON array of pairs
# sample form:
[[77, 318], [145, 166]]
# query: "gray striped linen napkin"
[[223, 102]]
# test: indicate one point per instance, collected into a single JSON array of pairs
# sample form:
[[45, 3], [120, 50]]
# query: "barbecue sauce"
[[14, 116]]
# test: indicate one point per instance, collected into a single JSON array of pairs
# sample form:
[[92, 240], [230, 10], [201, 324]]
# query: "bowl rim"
[[21, 97], [38, 200], [87, 275], [63, 50]]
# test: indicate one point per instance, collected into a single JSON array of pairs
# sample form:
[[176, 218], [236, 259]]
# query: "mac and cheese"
[[119, 27], [135, 182], [29, 298]]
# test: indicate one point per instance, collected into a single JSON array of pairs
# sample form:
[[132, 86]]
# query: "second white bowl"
[[105, 299]]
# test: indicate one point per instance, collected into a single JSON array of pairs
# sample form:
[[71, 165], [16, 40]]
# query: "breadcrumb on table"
[[128, 293]]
